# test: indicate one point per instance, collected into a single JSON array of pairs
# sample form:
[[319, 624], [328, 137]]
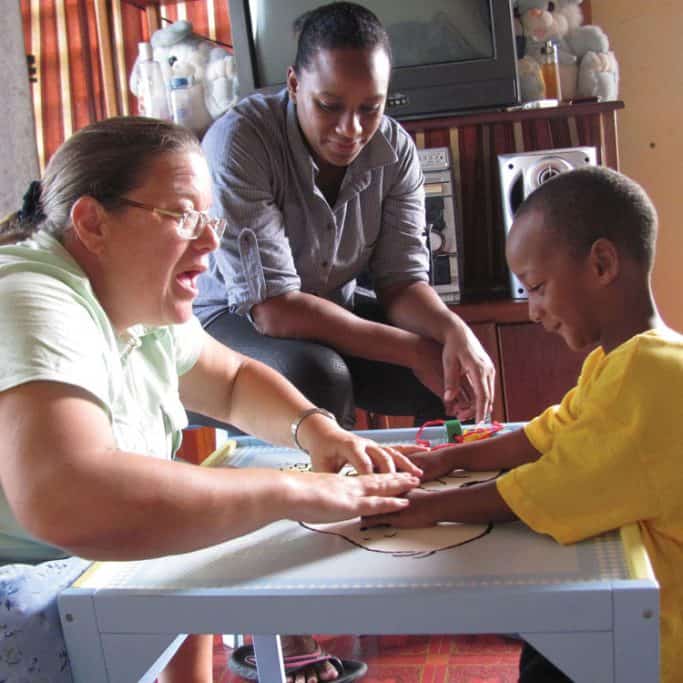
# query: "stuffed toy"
[[598, 69], [534, 24], [209, 71], [588, 68]]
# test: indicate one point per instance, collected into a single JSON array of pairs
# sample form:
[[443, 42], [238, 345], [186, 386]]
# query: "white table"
[[592, 608]]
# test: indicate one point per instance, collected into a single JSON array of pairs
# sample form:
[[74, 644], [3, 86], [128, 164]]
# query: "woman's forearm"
[[304, 316], [123, 506]]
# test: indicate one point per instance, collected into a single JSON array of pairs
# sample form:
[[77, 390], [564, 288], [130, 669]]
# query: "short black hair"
[[586, 204], [334, 26]]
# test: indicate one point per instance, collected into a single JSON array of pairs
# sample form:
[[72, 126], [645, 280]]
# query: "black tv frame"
[[416, 92]]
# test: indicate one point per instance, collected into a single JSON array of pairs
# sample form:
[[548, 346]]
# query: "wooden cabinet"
[[537, 369], [534, 368]]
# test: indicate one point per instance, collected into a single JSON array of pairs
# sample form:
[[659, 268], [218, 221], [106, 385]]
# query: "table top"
[[289, 557]]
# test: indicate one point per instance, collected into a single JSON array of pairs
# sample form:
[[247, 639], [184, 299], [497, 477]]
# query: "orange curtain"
[[84, 51]]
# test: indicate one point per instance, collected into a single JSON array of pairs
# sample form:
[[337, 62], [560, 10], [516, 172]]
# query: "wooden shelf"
[[493, 310], [563, 111]]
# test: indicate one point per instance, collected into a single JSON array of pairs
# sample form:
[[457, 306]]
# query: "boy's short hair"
[[596, 202]]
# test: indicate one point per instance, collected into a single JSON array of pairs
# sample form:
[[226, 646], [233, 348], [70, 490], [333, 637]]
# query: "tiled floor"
[[415, 659]]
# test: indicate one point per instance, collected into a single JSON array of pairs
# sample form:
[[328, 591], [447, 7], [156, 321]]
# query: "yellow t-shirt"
[[611, 454]]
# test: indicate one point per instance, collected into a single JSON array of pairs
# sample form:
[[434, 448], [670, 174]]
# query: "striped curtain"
[[84, 51]]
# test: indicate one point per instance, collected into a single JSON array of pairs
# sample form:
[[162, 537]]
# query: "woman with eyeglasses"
[[100, 355]]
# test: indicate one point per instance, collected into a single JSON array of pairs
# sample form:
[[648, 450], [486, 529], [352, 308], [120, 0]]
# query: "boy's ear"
[[604, 259], [87, 220]]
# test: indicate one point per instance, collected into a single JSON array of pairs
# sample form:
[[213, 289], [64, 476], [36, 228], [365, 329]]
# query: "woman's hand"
[[460, 372], [321, 498], [469, 375], [331, 448]]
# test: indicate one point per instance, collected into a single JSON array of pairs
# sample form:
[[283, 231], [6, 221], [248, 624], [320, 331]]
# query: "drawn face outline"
[[425, 542]]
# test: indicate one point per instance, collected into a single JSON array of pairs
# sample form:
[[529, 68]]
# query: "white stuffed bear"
[[587, 66], [209, 70], [598, 67], [221, 79]]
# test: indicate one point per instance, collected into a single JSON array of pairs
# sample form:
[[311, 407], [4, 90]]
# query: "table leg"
[[585, 657], [268, 651]]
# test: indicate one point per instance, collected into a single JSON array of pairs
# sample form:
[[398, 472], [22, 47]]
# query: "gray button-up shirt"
[[282, 234]]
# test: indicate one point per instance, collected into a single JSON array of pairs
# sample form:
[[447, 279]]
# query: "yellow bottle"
[[551, 71]]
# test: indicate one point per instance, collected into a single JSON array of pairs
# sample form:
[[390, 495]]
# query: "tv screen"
[[449, 55]]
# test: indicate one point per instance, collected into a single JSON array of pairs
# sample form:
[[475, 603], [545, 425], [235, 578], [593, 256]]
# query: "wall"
[[19, 159], [646, 38]]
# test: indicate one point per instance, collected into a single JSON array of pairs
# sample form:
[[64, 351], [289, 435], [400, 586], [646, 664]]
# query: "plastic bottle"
[[551, 72], [181, 101], [152, 89]]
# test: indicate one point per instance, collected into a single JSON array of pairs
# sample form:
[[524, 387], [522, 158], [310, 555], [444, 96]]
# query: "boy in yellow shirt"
[[610, 453]]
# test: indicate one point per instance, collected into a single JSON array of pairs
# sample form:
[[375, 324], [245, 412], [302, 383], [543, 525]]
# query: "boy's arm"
[[471, 504], [476, 504], [503, 452]]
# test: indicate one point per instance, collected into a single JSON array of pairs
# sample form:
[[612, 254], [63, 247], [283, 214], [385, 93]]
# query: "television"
[[450, 56]]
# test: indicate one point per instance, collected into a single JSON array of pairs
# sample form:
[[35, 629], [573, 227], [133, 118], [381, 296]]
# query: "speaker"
[[521, 174]]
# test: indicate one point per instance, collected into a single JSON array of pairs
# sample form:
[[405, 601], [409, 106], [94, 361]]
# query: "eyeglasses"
[[190, 224]]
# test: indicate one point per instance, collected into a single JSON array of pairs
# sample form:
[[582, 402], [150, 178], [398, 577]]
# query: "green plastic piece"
[[453, 429]]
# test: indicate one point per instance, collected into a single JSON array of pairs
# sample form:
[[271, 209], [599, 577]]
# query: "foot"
[[301, 645]]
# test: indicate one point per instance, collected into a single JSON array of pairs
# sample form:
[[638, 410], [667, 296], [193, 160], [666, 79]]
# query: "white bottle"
[[181, 101], [152, 89]]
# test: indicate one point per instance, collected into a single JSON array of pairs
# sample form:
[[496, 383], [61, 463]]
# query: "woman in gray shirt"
[[318, 187]]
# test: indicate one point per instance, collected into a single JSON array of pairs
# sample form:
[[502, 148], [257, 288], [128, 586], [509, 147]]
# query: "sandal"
[[243, 662]]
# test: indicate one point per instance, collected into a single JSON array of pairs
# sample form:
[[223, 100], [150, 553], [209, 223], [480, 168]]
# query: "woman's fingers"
[[376, 505]]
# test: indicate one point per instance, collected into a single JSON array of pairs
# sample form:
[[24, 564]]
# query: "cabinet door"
[[537, 369]]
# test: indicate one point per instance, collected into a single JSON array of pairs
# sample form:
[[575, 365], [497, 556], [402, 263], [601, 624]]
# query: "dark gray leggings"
[[328, 379]]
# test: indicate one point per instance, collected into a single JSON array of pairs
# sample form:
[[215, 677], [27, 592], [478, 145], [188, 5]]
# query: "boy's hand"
[[476, 504], [423, 511], [435, 464]]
